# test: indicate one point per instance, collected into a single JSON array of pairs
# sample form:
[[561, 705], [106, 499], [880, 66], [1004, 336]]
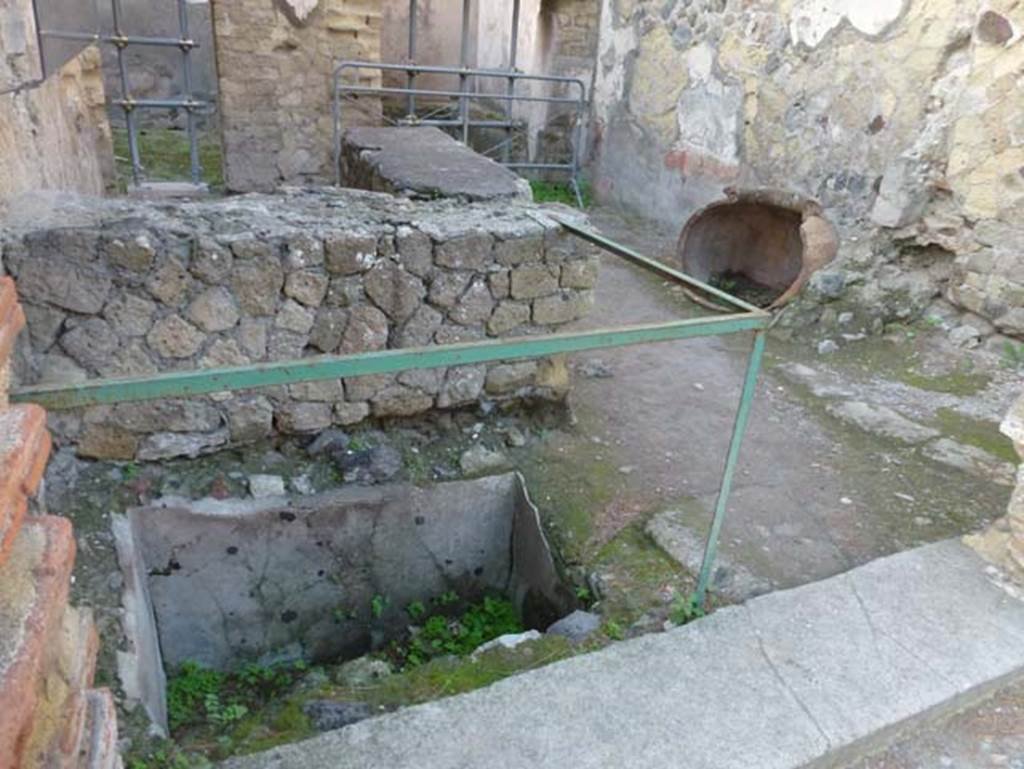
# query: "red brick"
[[24, 451], [12, 319], [34, 585]]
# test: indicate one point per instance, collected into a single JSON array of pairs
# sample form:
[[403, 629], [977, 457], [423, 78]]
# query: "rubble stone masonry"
[[114, 288], [902, 118]]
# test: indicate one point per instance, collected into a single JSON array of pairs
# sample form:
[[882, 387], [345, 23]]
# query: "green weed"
[[686, 610], [164, 153], [377, 605], [553, 192], [442, 634], [1013, 356], [187, 693]]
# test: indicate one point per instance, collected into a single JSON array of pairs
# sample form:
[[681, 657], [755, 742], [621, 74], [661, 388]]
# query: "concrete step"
[[809, 677], [34, 584]]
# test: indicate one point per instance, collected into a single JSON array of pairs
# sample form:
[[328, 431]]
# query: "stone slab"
[[423, 162], [803, 678]]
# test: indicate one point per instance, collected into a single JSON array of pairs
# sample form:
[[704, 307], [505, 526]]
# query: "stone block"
[[173, 337], [328, 329], [129, 315], [257, 283], [101, 441], [397, 292], [399, 401], [516, 251], [475, 305], [92, 343], [169, 284], [508, 377], [581, 274], [447, 287], [211, 262], [465, 252], [166, 415], [534, 280], [79, 288], [160, 446], [250, 418], [215, 309], [367, 330], [307, 286], [304, 417], [349, 253], [562, 308]]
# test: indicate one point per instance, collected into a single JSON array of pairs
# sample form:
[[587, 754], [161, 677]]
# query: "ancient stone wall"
[[51, 715], [1003, 542], [569, 37], [897, 116], [118, 288], [275, 60], [54, 133]]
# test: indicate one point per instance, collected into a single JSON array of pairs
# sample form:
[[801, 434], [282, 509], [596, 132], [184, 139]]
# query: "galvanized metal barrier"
[[747, 318], [120, 40], [344, 91]]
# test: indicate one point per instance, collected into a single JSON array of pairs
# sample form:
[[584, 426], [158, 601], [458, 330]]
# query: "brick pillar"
[[275, 59], [49, 715]]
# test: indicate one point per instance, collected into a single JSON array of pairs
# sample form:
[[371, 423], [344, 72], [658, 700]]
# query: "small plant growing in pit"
[[187, 693], [457, 634], [686, 610], [377, 605], [219, 714], [447, 598], [614, 630], [1013, 356]]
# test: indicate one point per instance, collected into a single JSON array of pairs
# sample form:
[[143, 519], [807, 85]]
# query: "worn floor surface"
[[798, 678], [814, 497]]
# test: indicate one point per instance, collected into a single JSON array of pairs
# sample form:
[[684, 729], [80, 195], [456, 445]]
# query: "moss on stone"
[[976, 432], [636, 574]]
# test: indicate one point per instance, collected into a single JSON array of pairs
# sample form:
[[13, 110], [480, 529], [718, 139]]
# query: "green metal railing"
[[200, 382]]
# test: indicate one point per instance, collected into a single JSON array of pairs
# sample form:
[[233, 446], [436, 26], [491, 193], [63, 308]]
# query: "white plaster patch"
[[699, 60], [302, 8], [610, 77], [812, 20], [710, 117]]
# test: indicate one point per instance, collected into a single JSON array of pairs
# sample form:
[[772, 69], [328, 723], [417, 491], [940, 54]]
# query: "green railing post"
[[738, 431]]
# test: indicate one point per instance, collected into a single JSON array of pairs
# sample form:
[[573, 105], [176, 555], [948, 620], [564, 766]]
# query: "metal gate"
[[455, 110], [65, 27]]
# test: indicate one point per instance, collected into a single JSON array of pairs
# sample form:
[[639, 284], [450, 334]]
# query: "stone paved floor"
[[984, 737], [814, 497]]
